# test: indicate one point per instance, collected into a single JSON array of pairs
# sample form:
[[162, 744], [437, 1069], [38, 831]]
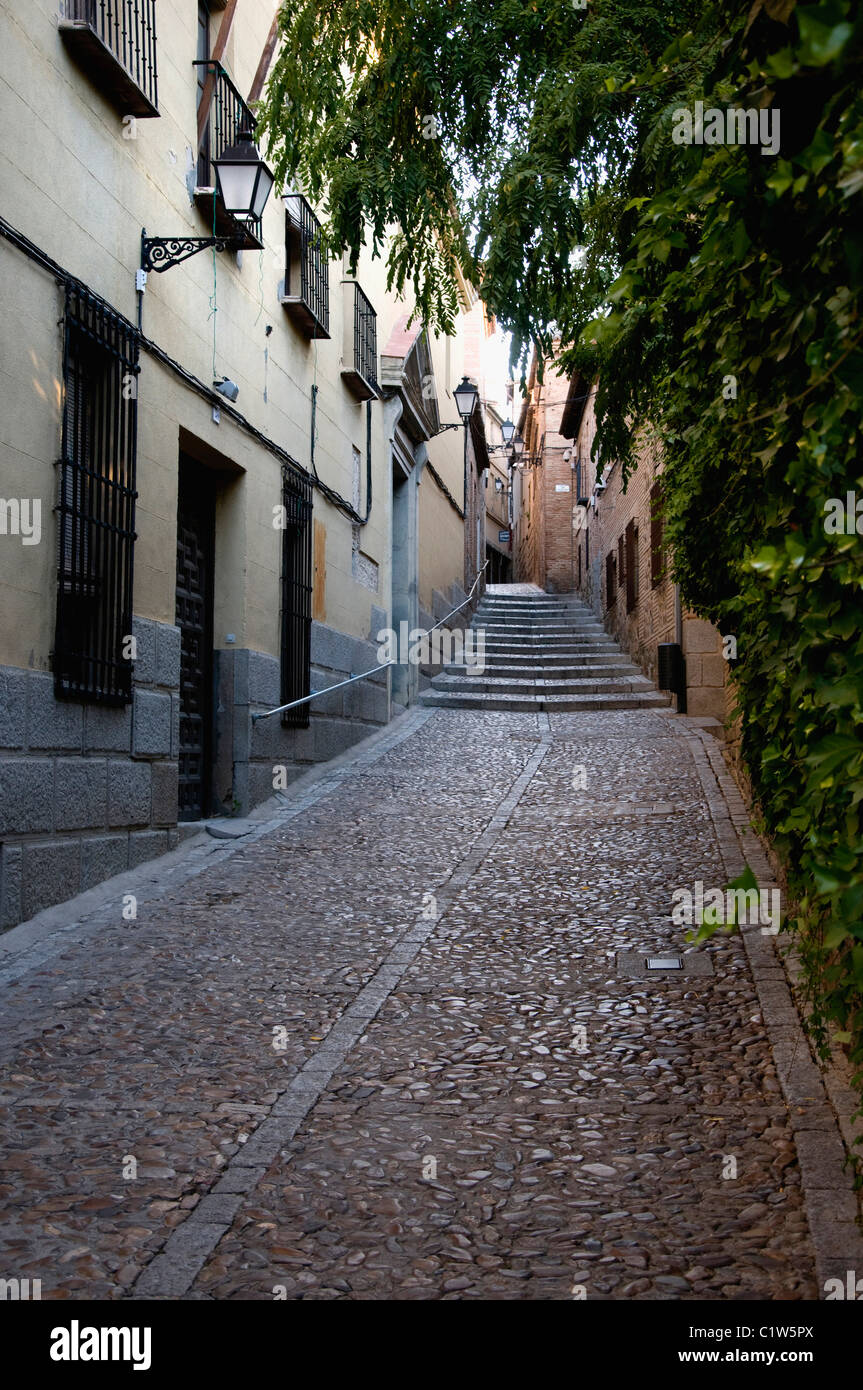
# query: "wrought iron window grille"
[[96, 503]]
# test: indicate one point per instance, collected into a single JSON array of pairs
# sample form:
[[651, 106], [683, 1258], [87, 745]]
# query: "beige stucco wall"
[[441, 534], [30, 371], [83, 192]]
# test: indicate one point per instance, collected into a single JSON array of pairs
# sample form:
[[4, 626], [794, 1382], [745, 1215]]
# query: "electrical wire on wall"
[[359, 520], [214, 307], [194, 383]]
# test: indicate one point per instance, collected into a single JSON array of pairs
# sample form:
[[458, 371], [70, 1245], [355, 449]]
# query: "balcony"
[[307, 274], [227, 115], [114, 43], [360, 350]]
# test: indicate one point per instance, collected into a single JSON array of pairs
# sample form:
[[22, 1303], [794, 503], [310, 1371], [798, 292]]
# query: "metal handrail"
[[382, 666]]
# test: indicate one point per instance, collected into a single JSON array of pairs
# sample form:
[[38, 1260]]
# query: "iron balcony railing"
[[228, 115], [307, 286], [128, 29], [365, 338], [360, 350]]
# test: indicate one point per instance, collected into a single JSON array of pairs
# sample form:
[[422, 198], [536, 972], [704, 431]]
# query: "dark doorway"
[[194, 617], [296, 597], [404, 570]]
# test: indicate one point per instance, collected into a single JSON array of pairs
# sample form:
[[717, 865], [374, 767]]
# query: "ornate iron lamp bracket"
[[160, 253]]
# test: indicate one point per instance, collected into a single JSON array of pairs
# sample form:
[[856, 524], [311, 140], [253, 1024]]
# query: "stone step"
[[541, 631], [485, 607], [535, 670], [550, 620], [529, 704], [541, 634], [531, 614], [536, 620], [533, 601], [553, 647], [544, 652], [493, 685]]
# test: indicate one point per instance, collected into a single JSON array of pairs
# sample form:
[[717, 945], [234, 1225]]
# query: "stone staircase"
[[543, 652]]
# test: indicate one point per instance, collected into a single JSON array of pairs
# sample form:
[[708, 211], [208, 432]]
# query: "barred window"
[[296, 596], [96, 504]]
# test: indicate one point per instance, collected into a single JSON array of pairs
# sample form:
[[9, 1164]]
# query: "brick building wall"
[[623, 565], [545, 541]]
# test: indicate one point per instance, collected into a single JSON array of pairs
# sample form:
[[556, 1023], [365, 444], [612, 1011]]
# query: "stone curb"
[[832, 1205]]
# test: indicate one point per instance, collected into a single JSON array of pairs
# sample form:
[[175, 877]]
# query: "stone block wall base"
[[256, 760], [86, 791]]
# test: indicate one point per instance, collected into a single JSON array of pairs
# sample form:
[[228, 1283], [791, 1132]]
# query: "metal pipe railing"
[[364, 675]]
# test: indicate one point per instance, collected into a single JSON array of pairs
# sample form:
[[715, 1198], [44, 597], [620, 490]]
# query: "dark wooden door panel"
[[194, 617]]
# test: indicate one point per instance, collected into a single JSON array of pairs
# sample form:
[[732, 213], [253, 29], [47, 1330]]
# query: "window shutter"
[[631, 548], [657, 566], [609, 579]]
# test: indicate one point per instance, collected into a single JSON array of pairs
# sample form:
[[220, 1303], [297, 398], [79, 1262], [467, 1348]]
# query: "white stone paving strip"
[[173, 1271]]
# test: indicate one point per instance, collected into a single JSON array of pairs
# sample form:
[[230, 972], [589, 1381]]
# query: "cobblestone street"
[[468, 1100]]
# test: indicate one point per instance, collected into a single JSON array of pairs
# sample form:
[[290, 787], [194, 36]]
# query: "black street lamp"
[[507, 430], [244, 183], [466, 396], [243, 179]]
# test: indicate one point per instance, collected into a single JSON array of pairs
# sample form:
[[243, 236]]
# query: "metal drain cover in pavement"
[[663, 964]]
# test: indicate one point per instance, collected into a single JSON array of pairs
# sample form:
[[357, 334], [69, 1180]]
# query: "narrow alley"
[[399, 1041]]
